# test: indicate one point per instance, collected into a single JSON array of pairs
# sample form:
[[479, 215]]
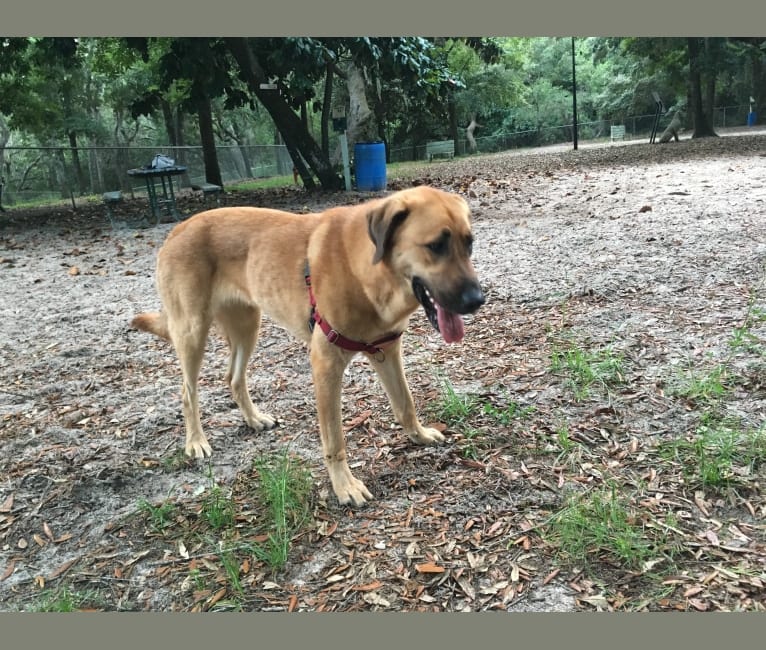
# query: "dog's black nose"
[[472, 298]]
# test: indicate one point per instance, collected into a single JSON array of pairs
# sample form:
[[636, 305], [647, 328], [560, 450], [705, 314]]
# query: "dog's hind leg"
[[391, 373], [189, 337], [240, 325]]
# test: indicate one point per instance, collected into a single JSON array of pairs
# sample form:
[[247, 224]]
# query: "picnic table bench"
[[111, 199], [440, 148], [209, 190]]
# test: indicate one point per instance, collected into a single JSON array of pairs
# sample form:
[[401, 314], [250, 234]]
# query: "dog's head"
[[424, 236]]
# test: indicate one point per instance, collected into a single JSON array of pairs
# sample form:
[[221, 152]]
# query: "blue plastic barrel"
[[751, 117], [370, 166]]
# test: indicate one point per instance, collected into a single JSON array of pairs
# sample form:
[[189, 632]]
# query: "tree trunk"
[[298, 140], [710, 75], [758, 84], [701, 122], [76, 165], [472, 146], [207, 138], [454, 132], [361, 119], [327, 110]]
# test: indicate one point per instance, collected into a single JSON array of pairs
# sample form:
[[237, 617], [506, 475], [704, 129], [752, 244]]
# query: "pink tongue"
[[450, 325]]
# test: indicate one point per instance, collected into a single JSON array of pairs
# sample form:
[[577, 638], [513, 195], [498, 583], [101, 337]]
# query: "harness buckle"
[[332, 336]]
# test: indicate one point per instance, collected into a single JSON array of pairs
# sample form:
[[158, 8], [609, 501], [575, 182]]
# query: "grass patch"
[[285, 488], [262, 183], [456, 408], [586, 370], [508, 412], [599, 524], [66, 600], [218, 507], [707, 387], [720, 452], [742, 338], [158, 517], [472, 443]]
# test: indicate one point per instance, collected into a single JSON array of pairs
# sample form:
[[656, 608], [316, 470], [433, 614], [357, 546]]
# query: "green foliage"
[[586, 369], [599, 523], [703, 387], [508, 413], [455, 408], [160, 516], [285, 487], [720, 452], [218, 508], [65, 599]]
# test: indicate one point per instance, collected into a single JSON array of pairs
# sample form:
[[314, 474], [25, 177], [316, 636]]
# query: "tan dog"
[[370, 266]]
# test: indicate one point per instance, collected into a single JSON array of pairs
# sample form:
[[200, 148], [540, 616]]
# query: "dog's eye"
[[469, 245], [438, 247]]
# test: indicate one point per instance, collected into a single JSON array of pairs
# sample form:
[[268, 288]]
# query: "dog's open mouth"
[[447, 323]]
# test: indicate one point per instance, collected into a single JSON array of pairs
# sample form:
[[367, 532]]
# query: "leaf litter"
[[652, 255]]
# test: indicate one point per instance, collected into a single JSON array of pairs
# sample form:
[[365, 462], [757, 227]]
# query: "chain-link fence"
[[636, 127], [33, 175], [40, 174]]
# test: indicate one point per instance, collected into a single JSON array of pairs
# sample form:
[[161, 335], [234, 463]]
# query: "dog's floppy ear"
[[382, 222]]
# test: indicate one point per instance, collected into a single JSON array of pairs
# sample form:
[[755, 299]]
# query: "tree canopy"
[[403, 91]]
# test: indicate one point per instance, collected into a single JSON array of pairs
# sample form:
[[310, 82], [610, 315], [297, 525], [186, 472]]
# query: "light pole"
[[574, 97]]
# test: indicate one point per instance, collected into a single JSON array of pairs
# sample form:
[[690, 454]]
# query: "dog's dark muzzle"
[[470, 299]]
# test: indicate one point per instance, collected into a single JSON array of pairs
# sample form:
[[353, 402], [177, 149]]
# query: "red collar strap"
[[335, 337]]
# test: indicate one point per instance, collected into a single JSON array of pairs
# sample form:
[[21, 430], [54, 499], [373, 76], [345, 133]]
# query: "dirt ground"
[[653, 253]]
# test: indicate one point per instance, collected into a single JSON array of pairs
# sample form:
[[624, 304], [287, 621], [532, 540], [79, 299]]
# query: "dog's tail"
[[154, 322]]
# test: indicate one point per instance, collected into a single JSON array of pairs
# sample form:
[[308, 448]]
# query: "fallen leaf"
[[370, 586], [327, 528], [551, 576], [8, 571], [599, 601], [63, 568], [699, 499], [699, 605], [376, 599], [7, 504], [429, 567], [712, 537], [359, 419], [216, 597]]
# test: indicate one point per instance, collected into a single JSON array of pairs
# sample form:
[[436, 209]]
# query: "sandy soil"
[[656, 251]]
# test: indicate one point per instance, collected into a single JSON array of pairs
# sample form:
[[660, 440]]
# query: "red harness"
[[335, 337]]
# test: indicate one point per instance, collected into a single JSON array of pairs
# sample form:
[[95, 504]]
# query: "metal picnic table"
[[166, 197]]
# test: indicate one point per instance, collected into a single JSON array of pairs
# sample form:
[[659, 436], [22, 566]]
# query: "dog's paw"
[[352, 492], [427, 436], [261, 422], [198, 448]]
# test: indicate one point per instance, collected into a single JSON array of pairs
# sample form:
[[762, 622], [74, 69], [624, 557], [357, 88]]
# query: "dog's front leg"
[[391, 373], [327, 365]]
